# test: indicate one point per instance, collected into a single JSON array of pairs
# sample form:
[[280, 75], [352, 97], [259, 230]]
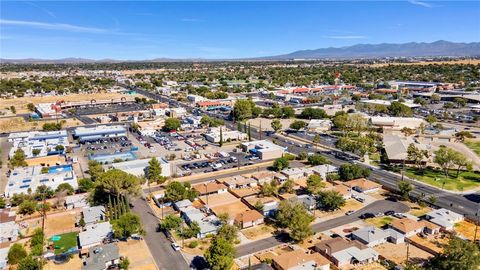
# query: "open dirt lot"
[[258, 232], [15, 124], [466, 229], [398, 253], [435, 243], [138, 254], [21, 103], [203, 245]]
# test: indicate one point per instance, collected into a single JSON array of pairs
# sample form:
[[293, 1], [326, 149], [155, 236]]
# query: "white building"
[[233, 135], [139, 167], [263, 149], [389, 123], [25, 178], [94, 234], [38, 141], [444, 218], [99, 132], [318, 125]]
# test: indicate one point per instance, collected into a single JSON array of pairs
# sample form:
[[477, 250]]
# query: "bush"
[[193, 244]]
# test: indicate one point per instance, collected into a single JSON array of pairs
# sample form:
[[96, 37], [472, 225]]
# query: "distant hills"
[[412, 49]]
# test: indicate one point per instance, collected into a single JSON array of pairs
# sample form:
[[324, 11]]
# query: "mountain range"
[[412, 49]]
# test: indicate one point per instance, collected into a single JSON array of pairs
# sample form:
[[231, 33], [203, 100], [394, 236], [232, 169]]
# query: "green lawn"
[[464, 182], [67, 241], [475, 146], [379, 222]]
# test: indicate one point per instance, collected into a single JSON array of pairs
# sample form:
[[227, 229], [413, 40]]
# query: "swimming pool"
[[61, 168], [109, 158]]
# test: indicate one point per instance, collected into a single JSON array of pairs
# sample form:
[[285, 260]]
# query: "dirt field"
[[472, 61], [351, 204], [398, 253], [138, 255], [467, 229], [258, 232], [16, 124], [203, 245], [21, 103], [60, 223]]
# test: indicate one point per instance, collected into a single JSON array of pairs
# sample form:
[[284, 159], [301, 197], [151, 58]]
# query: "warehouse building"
[[139, 167], [38, 143], [233, 135], [84, 134]]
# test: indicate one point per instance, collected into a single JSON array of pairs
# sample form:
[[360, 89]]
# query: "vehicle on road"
[[175, 246], [367, 215], [348, 213], [389, 213]]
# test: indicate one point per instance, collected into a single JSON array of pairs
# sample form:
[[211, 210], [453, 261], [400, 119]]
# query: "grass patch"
[[475, 146], [67, 241], [379, 222], [464, 181]]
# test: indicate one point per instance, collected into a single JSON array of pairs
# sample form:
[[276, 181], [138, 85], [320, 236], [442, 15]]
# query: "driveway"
[[376, 207]]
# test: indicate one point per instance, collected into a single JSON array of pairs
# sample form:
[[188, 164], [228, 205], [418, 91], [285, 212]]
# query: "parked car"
[[348, 213], [367, 215], [389, 213], [175, 246]]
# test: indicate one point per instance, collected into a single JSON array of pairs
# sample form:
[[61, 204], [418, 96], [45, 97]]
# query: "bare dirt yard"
[[398, 252], [138, 254], [258, 232], [74, 263]]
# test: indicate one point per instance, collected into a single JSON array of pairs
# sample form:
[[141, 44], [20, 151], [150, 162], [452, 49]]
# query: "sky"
[[137, 30]]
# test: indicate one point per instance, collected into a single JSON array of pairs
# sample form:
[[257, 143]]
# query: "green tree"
[[288, 186], [117, 182], [176, 191], [36, 152], [27, 207], [13, 109], [398, 109], [85, 185], [313, 113], [95, 169], [417, 156], [124, 263], [3, 203], [221, 138], [16, 253], [18, 159], [318, 159], [65, 187], [297, 125], [171, 222], [31, 107], [172, 124], [220, 254], [352, 171], [445, 158], [269, 189], [316, 140], [276, 125], [228, 232], [154, 171], [431, 119], [30, 263], [461, 161], [405, 188], [294, 217], [458, 254], [462, 135], [315, 183], [249, 132], [280, 164], [52, 126], [127, 225], [330, 200], [59, 148]]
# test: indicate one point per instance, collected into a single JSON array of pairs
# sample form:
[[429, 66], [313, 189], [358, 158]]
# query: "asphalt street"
[[375, 207], [165, 256]]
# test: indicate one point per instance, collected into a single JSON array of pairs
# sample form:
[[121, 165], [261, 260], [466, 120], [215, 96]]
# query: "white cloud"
[[420, 3], [53, 26], [50, 13], [346, 37]]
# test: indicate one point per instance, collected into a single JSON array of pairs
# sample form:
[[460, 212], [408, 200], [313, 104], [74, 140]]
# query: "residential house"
[[9, 229], [444, 218], [263, 177], [94, 235], [4, 258], [102, 257], [92, 215], [294, 174], [239, 181], [343, 252], [182, 205], [209, 224], [363, 185], [248, 218], [343, 190], [300, 260], [371, 236], [407, 226], [76, 201], [324, 170], [210, 188], [307, 200], [396, 148]]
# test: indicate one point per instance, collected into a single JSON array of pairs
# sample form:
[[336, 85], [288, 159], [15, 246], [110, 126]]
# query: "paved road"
[[165, 257], [375, 207]]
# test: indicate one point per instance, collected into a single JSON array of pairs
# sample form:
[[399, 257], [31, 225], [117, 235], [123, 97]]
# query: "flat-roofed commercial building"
[[99, 132], [38, 143], [263, 149], [228, 135], [139, 167], [29, 178]]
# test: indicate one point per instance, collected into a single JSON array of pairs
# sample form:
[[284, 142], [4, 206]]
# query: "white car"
[[253, 158], [175, 246]]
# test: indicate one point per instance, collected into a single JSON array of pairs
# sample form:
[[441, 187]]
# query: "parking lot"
[[215, 162], [111, 108], [106, 146]]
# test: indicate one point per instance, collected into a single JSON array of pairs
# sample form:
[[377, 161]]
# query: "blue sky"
[[213, 29]]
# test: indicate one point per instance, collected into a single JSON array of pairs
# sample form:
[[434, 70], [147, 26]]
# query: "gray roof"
[[354, 252], [183, 203], [395, 234], [94, 234], [370, 234], [99, 256], [307, 200], [93, 214]]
